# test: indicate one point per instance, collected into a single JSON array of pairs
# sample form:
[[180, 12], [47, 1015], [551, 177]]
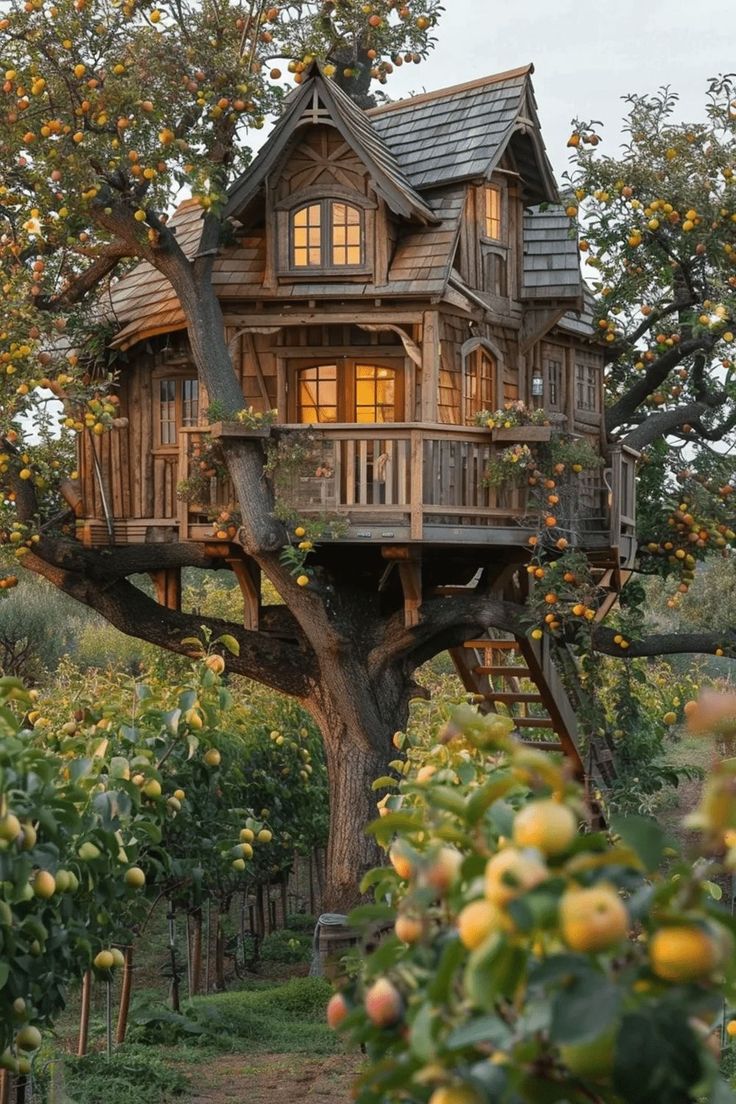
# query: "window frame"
[[346, 386], [480, 347], [587, 387], [179, 377], [285, 214], [492, 187]]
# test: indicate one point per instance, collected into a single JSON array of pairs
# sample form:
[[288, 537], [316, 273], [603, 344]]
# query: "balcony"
[[406, 483]]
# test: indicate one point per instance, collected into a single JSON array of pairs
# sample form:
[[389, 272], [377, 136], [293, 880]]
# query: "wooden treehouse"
[[392, 273]]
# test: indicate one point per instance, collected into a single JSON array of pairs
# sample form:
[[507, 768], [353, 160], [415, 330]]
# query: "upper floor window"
[[586, 387], [553, 398], [327, 234], [178, 406], [493, 224]]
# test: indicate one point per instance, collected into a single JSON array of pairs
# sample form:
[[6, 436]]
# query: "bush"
[[301, 922], [287, 947], [38, 624]]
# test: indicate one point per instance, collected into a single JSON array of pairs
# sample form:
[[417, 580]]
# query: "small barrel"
[[333, 939]]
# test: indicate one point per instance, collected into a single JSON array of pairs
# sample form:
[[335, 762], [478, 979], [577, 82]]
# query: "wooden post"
[[430, 366], [171, 917], [248, 574], [195, 976], [84, 1015], [167, 585], [416, 485], [125, 992], [4, 1087]]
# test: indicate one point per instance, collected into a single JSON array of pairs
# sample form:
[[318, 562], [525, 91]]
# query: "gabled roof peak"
[[452, 90]]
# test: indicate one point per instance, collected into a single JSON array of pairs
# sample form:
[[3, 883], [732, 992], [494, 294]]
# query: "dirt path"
[[275, 1079]]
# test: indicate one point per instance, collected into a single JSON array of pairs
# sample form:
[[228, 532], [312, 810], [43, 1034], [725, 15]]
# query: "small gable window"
[[493, 213], [327, 234]]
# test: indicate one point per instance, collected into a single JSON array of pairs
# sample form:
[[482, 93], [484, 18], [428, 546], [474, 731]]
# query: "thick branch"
[[286, 667], [103, 264], [664, 643], [659, 425], [620, 413]]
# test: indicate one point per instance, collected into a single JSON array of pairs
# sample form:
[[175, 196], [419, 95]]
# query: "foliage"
[[287, 946], [659, 236], [513, 414], [532, 962], [288, 1017], [28, 649], [131, 1076]]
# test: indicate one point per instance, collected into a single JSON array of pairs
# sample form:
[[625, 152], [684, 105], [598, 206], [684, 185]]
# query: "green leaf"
[[482, 799], [383, 783], [443, 797], [584, 1009], [230, 643], [422, 1033], [452, 955], [372, 877], [483, 1029], [4, 973], [493, 970], [644, 835], [366, 914]]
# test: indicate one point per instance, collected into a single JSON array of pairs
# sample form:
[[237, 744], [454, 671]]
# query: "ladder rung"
[[500, 644], [533, 722], [542, 745], [507, 697], [504, 672]]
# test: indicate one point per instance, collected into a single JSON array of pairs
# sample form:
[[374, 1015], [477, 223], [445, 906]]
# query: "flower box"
[[522, 433], [237, 429]]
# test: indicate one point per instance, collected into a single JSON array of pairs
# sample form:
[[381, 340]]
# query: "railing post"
[[416, 485], [182, 473], [616, 489]]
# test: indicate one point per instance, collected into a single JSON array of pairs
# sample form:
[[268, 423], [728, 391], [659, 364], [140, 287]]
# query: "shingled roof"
[[461, 133], [551, 267]]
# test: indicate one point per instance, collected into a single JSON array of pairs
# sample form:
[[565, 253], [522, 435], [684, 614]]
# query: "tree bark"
[[352, 766]]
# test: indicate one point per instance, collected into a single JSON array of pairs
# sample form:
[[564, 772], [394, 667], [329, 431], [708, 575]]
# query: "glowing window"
[[493, 225], [317, 394], [478, 383], [375, 394], [327, 234], [307, 237]]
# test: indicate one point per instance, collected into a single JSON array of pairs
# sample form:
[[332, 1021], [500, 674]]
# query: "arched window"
[[327, 234], [479, 382]]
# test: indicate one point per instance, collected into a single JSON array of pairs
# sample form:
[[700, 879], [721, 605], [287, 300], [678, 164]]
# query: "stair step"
[[504, 672], [508, 697], [533, 722], [511, 645], [542, 745]]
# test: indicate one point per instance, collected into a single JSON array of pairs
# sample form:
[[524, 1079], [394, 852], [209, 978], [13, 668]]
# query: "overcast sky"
[[586, 54]]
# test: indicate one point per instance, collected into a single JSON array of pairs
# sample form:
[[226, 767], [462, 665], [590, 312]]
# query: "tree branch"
[[287, 667], [619, 414]]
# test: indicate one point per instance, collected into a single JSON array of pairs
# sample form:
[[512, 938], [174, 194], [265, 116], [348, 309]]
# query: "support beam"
[[167, 587], [248, 574], [410, 574]]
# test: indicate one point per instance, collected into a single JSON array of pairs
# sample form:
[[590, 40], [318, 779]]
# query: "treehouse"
[[402, 289], [393, 274]]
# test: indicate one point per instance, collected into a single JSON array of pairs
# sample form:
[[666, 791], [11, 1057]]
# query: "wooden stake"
[[125, 993], [84, 1015]]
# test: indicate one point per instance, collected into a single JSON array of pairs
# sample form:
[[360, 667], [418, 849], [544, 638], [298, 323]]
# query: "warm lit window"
[[307, 237], [348, 391], [178, 405], [493, 219], [327, 234], [586, 387], [479, 374], [318, 394], [375, 399]]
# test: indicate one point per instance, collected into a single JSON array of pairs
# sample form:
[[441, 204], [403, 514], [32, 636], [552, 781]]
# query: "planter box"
[[236, 429], [522, 433]]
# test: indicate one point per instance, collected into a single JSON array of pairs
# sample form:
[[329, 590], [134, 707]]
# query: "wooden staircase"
[[521, 677]]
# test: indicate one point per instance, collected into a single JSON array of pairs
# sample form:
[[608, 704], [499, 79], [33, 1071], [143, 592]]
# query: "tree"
[[532, 963], [109, 111]]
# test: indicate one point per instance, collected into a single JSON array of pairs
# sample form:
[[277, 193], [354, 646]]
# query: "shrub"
[[287, 947], [132, 1076]]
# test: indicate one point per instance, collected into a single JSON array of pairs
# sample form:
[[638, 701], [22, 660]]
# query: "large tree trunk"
[[355, 759]]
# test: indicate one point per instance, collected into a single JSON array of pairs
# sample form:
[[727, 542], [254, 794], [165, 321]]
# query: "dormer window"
[[327, 234]]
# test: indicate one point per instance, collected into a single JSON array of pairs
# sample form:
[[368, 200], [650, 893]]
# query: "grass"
[[134, 1075], [286, 1018]]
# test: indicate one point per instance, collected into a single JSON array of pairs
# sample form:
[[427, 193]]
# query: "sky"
[[586, 55]]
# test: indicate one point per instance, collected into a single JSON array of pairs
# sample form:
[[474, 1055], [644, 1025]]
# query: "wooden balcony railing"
[[410, 482]]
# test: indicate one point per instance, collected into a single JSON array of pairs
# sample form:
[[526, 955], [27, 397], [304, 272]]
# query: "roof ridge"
[[453, 89]]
